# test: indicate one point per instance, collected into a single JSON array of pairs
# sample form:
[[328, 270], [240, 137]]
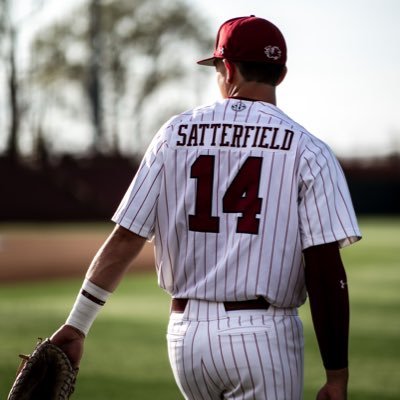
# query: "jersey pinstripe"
[[232, 193]]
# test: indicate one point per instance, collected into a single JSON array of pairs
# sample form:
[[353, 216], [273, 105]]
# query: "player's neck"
[[254, 91]]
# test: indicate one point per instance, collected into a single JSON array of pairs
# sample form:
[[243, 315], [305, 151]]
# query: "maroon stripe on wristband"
[[92, 298]]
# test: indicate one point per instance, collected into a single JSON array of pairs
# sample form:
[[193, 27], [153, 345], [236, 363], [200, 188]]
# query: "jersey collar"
[[242, 98]]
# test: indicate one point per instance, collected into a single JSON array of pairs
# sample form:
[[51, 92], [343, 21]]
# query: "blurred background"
[[84, 86]]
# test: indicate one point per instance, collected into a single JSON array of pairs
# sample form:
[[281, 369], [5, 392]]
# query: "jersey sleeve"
[[137, 210], [326, 212]]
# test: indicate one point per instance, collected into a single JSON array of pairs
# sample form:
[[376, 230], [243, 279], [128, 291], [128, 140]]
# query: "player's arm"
[[329, 302], [103, 276], [114, 257]]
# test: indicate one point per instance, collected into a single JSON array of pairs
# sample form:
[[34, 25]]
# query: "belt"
[[179, 305]]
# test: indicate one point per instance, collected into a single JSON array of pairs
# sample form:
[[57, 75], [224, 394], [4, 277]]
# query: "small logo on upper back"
[[273, 52], [238, 106]]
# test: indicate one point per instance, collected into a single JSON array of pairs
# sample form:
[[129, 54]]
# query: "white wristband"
[[87, 305]]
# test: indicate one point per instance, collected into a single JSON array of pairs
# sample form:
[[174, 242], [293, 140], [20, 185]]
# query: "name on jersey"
[[232, 135]]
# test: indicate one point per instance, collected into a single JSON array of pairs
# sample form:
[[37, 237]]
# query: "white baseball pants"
[[247, 354]]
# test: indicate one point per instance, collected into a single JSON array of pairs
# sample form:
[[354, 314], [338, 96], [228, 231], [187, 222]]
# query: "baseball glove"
[[46, 374]]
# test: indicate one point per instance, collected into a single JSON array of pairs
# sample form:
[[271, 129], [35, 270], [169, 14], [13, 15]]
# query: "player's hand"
[[70, 340], [335, 387]]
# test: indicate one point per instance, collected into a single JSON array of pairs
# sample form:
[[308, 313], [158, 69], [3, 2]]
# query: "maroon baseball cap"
[[249, 39]]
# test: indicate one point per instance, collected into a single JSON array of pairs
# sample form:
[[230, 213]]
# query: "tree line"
[[108, 72]]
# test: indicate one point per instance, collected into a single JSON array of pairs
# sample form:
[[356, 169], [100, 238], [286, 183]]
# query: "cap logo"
[[221, 50], [273, 52]]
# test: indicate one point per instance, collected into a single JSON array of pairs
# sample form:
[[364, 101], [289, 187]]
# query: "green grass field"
[[126, 355]]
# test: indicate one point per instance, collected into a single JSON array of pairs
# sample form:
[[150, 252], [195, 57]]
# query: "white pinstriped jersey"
[[232, 193]]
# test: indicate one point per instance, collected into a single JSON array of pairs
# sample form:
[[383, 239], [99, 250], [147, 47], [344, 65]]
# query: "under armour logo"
[[221, 50], [273, 52], [238, 106], [342, 283]]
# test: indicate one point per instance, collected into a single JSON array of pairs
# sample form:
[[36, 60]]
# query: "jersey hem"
[[134, 227], [343, 241]]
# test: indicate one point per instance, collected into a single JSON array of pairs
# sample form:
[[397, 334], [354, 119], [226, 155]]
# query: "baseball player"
[[248, 212]]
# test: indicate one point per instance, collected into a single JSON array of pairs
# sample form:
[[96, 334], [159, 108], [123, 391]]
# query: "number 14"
[[240, 197]]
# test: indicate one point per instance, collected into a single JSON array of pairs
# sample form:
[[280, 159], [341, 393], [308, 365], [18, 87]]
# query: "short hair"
[[260, 72]]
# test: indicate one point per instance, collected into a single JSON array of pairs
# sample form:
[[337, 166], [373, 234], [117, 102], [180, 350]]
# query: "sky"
[[343, 80]]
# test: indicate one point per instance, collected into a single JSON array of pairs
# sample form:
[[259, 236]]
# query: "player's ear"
[[282, 76], [230, 70]]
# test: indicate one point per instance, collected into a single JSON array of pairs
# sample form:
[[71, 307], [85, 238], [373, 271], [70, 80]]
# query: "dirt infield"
[[36, 253]]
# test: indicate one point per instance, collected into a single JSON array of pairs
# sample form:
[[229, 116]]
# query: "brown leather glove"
[[46, 374]]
